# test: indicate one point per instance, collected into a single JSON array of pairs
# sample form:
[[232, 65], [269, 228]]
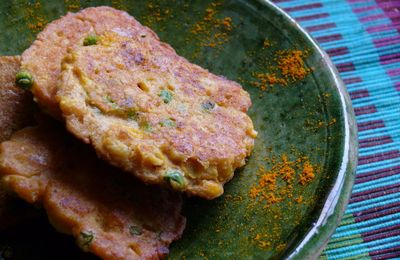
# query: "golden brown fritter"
[[110, 213], [16, 112], [16, 105], [43, 58], [152, 113]]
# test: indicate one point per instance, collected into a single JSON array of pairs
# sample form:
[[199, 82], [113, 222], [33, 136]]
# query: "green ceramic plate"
[[305, 125]]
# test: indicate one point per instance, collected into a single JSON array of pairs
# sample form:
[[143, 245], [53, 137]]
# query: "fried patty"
[[16, 112], [152, 113], [16, 105], [109, 213], [43, 58]]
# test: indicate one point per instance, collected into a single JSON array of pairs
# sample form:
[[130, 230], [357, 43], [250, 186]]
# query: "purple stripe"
[[381, 230], [384, 251], [370, 18], [365, 9], [379, 157], [393, 255], [359, 94], [375, 177], [320, 27], [379, 214], [397, 85], [302, 7], [375, 141], [370, 125], [375, 190], [390, 58], [337, 51], [387, 41], [394, 72], [365, 110], [383, 27], [311, 17], [374, 195], [388, 14], [382, 235], [349, 81], [377, 209], [329, 38], [346, 66], [394, 170], [388, 4]]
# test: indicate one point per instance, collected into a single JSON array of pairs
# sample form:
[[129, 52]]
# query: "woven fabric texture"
[[362, 38]]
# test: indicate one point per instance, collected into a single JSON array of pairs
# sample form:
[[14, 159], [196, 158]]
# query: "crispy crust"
[[16, 112], [43, 58], [111, 96], [83, 195]]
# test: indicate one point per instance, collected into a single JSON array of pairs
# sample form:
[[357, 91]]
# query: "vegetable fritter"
[[16, 111], [43, 58], [151, 112], [110, 214]]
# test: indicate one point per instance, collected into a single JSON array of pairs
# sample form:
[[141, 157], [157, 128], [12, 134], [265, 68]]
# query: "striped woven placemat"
[[363, 39]]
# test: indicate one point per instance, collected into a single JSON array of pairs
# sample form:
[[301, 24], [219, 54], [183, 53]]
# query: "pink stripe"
[[329, 38], [365, 9], [346, 66], [370, 18], [383, 27], [384, 251], [397, 85], [303, 7], [320, 27], [338, 51], [382, 235], [370, 125], [369, 196], [378, 157], [387, 41], [349, 81], [311, 17], [391, 170], [365, 110], [369, 142], [389, 14], [377, 209], [388, 4], [394, 255], [374, 193], [355, 1], [359, 94], [390, 58], [394, 72]]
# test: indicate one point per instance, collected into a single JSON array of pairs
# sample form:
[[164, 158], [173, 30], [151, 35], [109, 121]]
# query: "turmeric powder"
[[266, 188], [289, 67], [212, 31]]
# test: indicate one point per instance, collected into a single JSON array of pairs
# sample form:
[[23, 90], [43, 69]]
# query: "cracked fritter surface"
[[110, 213], [43, 57], [16, 112], [151, 112]]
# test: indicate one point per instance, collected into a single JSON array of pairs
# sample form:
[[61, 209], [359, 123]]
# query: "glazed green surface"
[[305, 118]]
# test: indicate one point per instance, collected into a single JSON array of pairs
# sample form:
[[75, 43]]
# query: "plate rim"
[[317, 237]]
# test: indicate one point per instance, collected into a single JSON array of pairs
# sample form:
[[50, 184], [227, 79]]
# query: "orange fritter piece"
[[108, 212], [16, 112], [152, 113], [43, 58], [16, 105]]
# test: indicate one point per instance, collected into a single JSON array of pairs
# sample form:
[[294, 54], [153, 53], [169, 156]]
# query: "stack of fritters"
[[143, 109]]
